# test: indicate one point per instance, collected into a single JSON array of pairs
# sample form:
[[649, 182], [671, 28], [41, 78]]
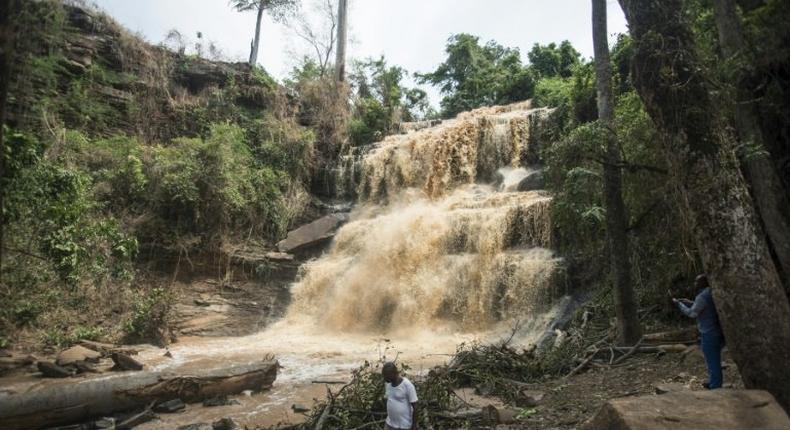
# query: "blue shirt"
[[704, 310]]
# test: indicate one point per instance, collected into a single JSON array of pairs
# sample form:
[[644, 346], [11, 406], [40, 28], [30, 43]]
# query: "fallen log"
[[82, 400]]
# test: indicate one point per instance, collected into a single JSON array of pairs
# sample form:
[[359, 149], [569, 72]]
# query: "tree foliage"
[[277, 9], [475, 75]]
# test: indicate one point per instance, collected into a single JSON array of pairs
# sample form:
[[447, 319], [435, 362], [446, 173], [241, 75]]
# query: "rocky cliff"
[[78, 66]]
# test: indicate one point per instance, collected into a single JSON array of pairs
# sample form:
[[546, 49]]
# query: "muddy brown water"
[[306, 353]]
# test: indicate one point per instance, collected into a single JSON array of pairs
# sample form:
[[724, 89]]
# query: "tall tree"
[[766, 186], [629, 330], [752, 305], [7, 10], [342, 27], [318, 30], [278, 9]]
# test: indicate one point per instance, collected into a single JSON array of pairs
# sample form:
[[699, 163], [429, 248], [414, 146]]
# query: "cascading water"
[[439, 250], [429, 242]]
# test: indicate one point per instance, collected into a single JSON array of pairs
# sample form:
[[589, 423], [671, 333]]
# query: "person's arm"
[[412, 392], [695, 309]]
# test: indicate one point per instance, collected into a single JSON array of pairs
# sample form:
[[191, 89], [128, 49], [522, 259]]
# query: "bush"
[[149, 314]]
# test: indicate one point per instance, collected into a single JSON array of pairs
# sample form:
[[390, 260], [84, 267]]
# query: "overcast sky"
[[409, 33]]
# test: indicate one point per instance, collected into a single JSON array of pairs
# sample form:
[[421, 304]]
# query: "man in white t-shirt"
[[401, 399]]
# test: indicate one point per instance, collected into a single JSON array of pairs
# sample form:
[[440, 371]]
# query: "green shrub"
[[149, 313]]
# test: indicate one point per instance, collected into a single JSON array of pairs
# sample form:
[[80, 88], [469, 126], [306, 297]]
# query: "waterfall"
[[433, 239]]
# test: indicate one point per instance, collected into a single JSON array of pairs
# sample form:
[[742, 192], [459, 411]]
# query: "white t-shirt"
[[399, 400]]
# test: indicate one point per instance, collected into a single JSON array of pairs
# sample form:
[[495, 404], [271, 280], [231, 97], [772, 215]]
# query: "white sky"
[[409, 33]]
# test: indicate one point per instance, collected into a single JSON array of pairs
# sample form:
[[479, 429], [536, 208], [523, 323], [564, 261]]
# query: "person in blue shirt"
[[704, 310]]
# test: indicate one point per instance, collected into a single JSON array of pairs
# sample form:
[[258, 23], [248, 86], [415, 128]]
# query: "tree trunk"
[[752, 305], [7, 7], [256, 43], [766, 187], [67, 403], [340, 59], [628, 327]]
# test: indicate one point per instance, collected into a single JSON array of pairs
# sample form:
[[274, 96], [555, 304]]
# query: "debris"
[[494, 415], [107, 348], [530, 398], [220, 401], [107, 423], [299, 408], [137, 419], [11, 362], [170, 406]]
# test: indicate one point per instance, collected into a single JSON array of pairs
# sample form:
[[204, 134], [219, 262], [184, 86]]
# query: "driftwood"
[[67, 403]]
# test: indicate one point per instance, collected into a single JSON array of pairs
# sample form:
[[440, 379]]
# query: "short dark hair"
[[390, 365], [701, 281]]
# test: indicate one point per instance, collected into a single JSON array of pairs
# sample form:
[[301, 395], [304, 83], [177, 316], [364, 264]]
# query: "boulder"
[[314, 234], [533, 181], [52, 370], [124, 362], [170, 406], [692, 410], [75, 354]]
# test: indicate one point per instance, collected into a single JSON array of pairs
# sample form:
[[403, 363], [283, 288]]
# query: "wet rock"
[[77, 353], [197, 426], [124, 362], [311, 235], [225, 424], [220, 401], [170, 406], [692, 410], [84, 367], [533, 181], [299, 408], [51, 370]]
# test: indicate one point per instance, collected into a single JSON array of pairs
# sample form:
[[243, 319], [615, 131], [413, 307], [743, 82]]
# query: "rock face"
[[533, 181], [151, 91], [693, 410], [308, 236]]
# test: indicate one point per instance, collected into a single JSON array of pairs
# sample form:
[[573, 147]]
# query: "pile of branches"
[[501, 369], [361, 404]]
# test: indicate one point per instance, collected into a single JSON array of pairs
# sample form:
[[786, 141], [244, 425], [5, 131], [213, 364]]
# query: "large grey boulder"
[[693, 410], [533, 181], [317, 233]]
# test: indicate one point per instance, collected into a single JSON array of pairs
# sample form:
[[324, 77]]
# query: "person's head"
[[701, 282], [390, 372]]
